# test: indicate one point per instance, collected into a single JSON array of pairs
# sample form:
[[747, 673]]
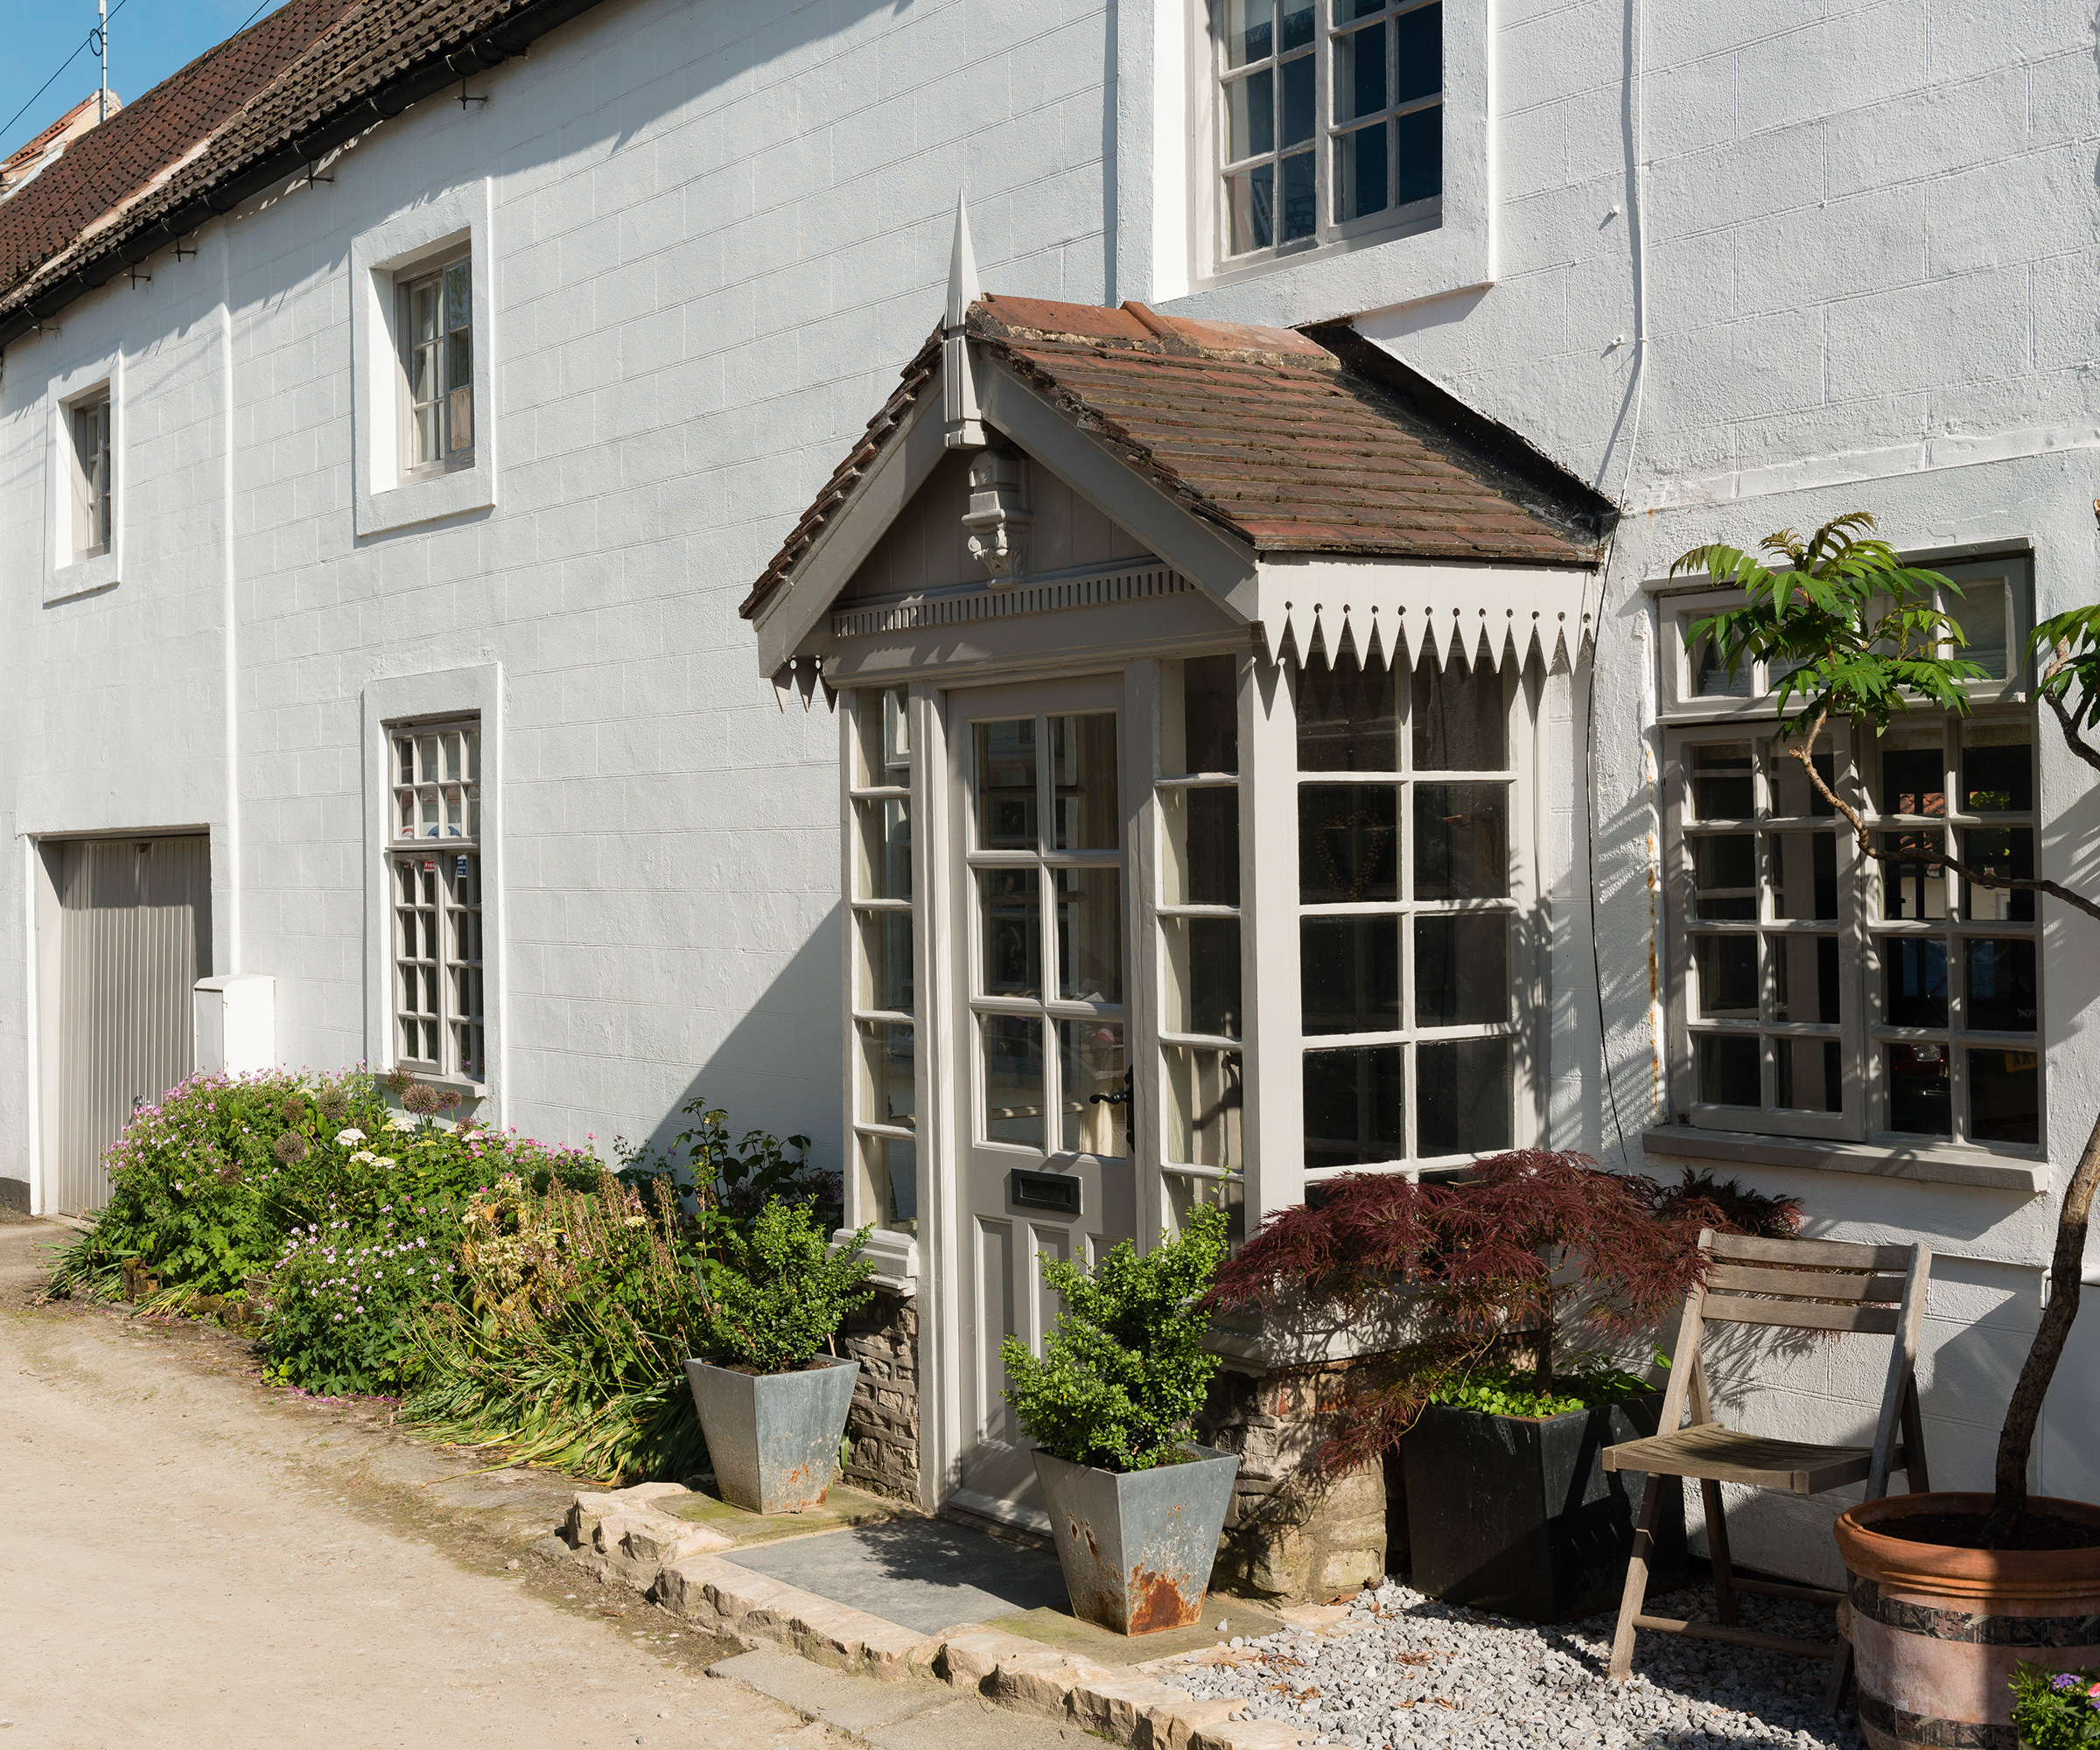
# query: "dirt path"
[[193, 1560]]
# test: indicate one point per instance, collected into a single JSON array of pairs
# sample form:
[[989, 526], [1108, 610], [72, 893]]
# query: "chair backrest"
[[1810, 1286]]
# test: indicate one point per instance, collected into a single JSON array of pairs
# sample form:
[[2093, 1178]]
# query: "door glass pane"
[[1006, 793], [1089, 935], [1013, 1080], [885, 939], [1202, 976], [1724, 875], [1096, 1093], [1914, 882], [1914, 981], [2000, 986], [1012, 939], [1810, 1077], [1804, 978], [887, 1071], [1461, 970], [1727, 1070], [1725, 983], [1082, 763], [2005, 1097], [1918, 1102], [1462, 1104], [1348, 844], [1802, 868], [1202, 865], [1348, 719], [1461, 841], [2006, 851], [1721, 781], [1350, 975], [1998, 768], [1353, 1101], [1458, 719]]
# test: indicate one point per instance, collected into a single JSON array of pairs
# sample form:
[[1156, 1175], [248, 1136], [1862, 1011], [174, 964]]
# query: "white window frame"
[[435, 276], [390, 491], [1524, 906], [71, 566], [1364, 264], [393, 705], [1689, 720], [438, 945]]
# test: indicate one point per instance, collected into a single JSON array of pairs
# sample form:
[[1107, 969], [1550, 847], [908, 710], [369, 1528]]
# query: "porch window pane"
[[1203, 1099], [1725, 986], [1202, 976], [1998, 768], [885, 848], [2007, 852], [1202, 865], [1913, 881], [888, 1068], [1350, 975], [1999, 987], [1348, 844], [1096, 1093], [1794, 796], [1803, 871], [1348, 719], [1913, 773], [1012, 945], [1210, 714], [1461, 970], [1082, 756], [1721, 781], [2005, 1097], [1013, 1080], [1354, 1100], [886, 947], [892, 1166], [1089, 935], [1006, 793], [1918, 1102], [1185, 1193], [1458, 719], [1724, 875], [1461, 841], [1462, 1102]]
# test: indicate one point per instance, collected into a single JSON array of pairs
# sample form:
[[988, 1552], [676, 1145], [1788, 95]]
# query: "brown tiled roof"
[[293, 79], [32, 149], [1263, 431]]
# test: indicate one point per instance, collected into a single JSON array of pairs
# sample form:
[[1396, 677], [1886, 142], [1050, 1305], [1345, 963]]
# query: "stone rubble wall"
[[882, 1428]]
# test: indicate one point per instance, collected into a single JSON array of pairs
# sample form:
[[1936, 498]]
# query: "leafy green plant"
[[1500, 1390], [1850, 630], [1124, 1371], [779, 1291], [2056, 1709]]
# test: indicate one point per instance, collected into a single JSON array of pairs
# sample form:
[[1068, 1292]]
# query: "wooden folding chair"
[[1796, 1285]]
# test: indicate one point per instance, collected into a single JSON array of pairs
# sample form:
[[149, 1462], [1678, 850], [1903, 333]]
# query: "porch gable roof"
[[1287, 442]]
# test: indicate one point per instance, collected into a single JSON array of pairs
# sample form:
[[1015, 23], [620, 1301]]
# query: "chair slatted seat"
[[1788, 1284]]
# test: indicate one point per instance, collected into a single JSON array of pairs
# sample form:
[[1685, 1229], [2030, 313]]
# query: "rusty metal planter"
[[773, 1437], [1137, 1546]]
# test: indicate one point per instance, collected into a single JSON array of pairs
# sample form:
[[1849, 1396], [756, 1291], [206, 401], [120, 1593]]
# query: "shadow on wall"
[[779, 1066]]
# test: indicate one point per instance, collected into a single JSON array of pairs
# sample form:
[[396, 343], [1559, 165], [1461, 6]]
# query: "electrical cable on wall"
[[1637, 240]]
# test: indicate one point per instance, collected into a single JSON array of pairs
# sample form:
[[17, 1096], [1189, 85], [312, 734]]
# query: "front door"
[[1039, 837]]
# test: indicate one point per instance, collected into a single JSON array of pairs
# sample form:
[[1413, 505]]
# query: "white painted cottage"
[[1225, 722]]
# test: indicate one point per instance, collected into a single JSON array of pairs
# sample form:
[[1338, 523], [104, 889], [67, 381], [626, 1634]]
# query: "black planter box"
[[1516, 1513]]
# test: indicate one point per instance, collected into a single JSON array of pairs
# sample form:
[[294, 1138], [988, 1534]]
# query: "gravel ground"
[[1410, 1673]]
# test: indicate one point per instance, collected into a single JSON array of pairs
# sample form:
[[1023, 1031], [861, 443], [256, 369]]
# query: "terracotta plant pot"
[[1937, 1631]]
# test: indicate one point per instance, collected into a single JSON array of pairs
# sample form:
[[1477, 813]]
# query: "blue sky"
[[147, 40]]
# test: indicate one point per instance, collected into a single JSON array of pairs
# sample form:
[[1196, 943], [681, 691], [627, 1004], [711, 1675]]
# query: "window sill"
[[428, 497], [1923, 1165], [82, 578], [894, 1255]]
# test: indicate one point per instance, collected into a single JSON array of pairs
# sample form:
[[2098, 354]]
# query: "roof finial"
[[958, 370], [963, 289]]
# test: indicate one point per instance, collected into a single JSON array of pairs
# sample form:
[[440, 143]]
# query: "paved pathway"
[[191, 1560]]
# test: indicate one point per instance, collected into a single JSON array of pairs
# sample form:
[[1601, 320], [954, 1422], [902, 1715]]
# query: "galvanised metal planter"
[[1137, 1546], [773, 1437]]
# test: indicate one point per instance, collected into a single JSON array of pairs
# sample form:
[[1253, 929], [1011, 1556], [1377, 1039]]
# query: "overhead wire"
[[87, 42]]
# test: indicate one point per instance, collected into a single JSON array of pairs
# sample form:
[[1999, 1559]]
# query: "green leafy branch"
[[1851, 633]]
